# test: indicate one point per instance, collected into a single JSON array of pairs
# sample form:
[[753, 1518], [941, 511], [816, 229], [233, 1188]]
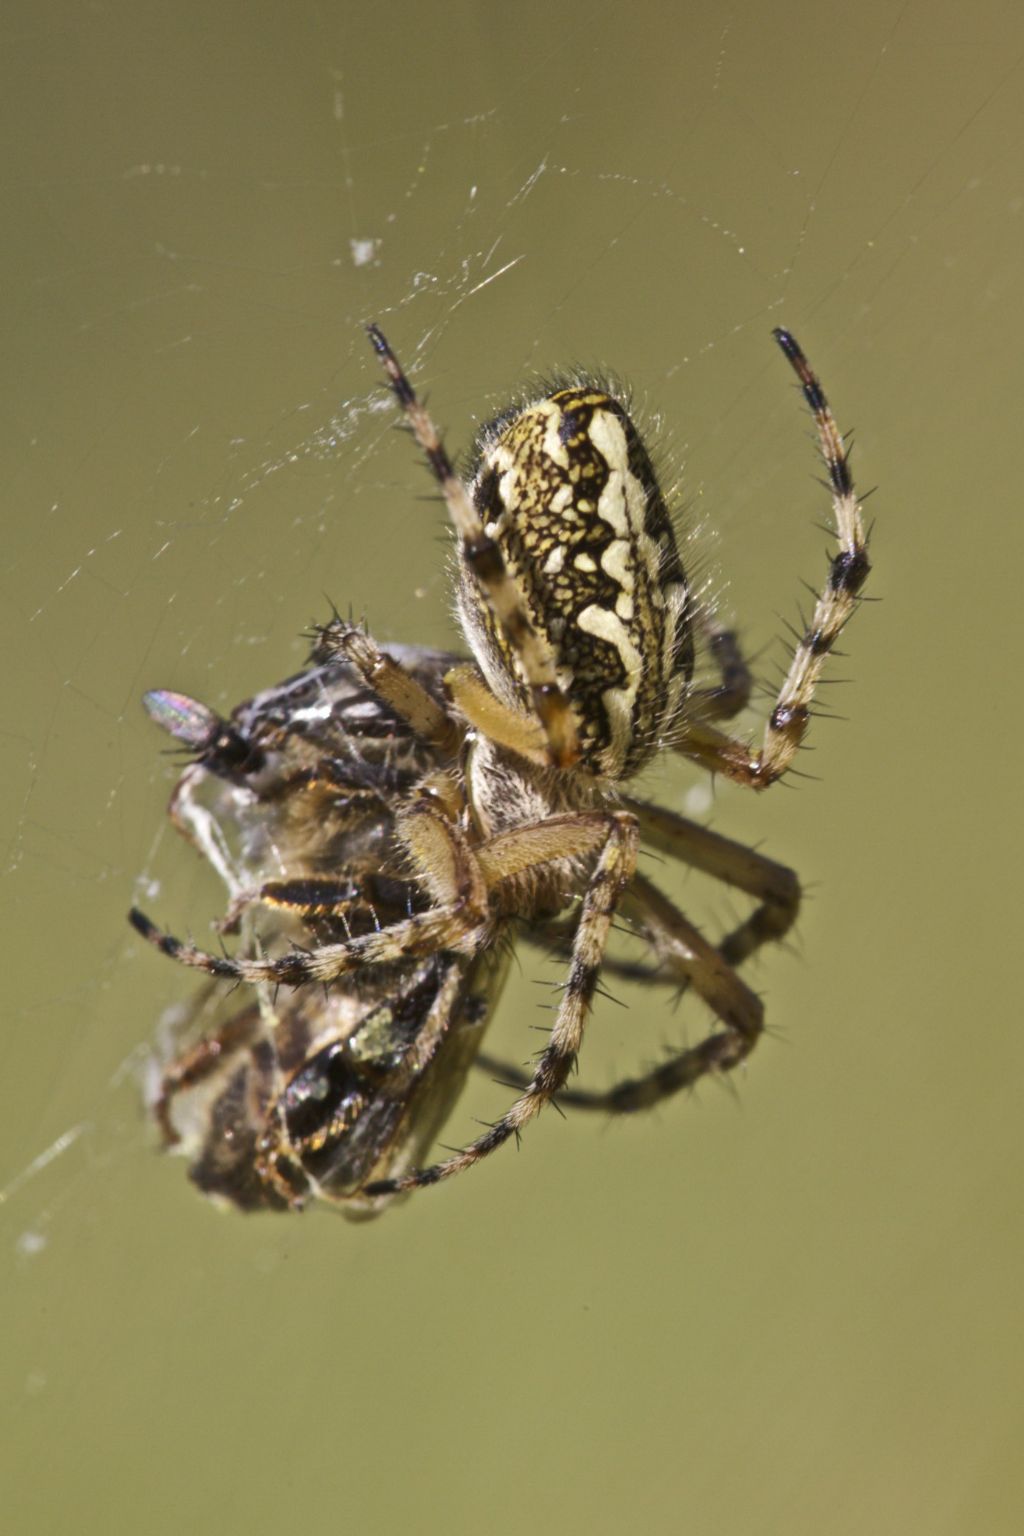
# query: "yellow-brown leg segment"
[[848, 571], [614, 869], [512, 728], [484, 559], [391, 683], [556, 940], [775, 887]]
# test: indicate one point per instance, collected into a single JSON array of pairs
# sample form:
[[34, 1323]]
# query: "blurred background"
[[791, 1308]]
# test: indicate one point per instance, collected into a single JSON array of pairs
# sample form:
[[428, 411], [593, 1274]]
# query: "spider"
[[423, 807]]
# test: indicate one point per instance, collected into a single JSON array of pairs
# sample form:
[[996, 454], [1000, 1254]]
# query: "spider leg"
[[390, 682], [848, 571], [703, 967], [723, 859], [457, 920], [443, 927], [484, 559], [693, 959], [556, 938], [732, 694], [612, 873], [523, 733], [775, 887], [693, 962]]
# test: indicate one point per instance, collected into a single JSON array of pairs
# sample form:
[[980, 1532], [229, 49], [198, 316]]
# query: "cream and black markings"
[[567, 492]]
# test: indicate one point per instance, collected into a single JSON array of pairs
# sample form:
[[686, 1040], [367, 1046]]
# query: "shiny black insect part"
[[322, 1102], [203, 733], [385, 821], [342, 1111]]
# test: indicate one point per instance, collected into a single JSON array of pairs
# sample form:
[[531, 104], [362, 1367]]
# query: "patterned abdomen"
[[566, 489]]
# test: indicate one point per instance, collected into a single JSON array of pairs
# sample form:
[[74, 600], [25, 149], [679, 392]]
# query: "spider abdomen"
[[566, 490]]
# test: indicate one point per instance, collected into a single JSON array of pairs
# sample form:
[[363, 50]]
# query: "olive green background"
[[792, 1309]]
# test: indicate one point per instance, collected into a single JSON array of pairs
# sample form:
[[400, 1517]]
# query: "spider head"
[[567, 491]]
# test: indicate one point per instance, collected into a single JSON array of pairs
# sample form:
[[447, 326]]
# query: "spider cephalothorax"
[[393, 811]]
